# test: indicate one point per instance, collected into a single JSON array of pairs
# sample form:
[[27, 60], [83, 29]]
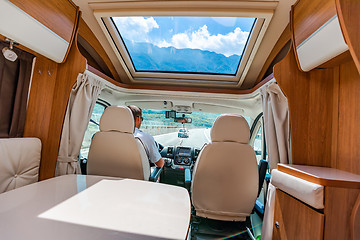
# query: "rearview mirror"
[[183, 120]]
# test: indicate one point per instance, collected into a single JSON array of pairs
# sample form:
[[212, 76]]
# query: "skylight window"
[[195, 45], [214, 47]]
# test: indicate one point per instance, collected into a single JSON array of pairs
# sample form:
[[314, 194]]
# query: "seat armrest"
[[155, 175], [187, 178]]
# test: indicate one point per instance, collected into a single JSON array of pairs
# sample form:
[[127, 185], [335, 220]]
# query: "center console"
[[178, 160], [183, 156]]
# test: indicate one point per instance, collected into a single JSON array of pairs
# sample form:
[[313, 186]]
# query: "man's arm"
[[160, 163]]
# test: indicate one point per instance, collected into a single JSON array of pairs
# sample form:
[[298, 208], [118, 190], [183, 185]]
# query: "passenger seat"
[[225, 177]]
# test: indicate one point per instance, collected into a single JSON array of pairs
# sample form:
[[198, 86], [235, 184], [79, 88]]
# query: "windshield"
[[170, 133]]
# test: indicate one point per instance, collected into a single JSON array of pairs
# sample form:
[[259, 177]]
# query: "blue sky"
[[223, 35]]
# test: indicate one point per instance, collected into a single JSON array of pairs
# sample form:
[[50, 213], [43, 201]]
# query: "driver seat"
[[114, 151], [225, 176]]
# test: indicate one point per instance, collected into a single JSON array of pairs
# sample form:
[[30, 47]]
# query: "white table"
[[91, 207]]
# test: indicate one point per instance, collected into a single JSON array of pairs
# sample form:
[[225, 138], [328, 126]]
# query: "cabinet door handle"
[[277, 224]]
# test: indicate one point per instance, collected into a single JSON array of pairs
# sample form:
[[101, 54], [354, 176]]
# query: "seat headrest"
[[230, 128], [117, 118]]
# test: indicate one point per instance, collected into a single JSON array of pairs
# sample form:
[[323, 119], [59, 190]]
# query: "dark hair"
[[136, 111]]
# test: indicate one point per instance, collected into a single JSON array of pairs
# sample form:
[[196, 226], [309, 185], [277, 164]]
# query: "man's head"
[[137, 113]]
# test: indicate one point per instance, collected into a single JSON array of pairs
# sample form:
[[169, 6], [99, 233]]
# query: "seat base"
[[205, 228]]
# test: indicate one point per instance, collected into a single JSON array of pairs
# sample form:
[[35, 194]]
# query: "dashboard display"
[[184, 151]]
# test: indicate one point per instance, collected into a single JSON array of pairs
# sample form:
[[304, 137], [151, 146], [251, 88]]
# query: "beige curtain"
[[277, 124], [267, 228], [277, 136], [80, 106]]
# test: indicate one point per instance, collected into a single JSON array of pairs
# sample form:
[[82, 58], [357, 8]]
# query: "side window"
[[257, 139], [92, 128], [258, 142]]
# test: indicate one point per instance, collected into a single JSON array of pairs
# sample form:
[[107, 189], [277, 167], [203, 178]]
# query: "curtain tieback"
[[64, 159]]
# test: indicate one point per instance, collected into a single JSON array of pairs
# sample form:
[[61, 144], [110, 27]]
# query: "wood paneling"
[[324, 113], [309, 15], [66, 77], [339, 203], [296, 220], [48, 99], [348, 153], [310, 98], [40, 100], [355, 220], [336, 61], [59, 16], [323, 103], [349, 18], [86, 33], [335, 117]]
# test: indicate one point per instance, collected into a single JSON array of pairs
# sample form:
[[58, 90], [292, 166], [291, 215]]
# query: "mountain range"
[[148, 57]]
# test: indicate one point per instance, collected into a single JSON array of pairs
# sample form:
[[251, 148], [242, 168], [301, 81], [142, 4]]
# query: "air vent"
[[170, 150]]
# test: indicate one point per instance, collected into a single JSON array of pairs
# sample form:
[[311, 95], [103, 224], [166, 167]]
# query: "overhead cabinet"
[[46, 27], [316, 33]]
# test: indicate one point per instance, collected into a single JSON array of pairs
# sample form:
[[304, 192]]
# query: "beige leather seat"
[[19, 162], [225, 177], [114, 151]]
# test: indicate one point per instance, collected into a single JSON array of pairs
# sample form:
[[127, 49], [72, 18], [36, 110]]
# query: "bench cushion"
[[308, 192], [19, 162]]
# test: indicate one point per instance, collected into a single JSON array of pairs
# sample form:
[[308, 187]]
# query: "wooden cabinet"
[[295, 220], [53, 22], [316, 33]]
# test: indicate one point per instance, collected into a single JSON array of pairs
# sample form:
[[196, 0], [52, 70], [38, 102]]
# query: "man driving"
[[148, 141]]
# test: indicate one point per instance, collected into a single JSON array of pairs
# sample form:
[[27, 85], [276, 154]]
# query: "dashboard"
[[179, 156], [178, 161]]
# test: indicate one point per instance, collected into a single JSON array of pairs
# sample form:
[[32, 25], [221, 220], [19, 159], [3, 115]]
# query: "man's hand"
[[160, 163]]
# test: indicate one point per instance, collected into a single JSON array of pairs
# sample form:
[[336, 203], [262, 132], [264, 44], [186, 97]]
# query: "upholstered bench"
[[19, 162]]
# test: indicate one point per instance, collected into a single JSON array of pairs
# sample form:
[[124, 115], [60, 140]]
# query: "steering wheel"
[[159, 146]]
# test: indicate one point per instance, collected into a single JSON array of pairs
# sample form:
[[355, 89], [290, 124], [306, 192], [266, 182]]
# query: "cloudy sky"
[[225, 35]]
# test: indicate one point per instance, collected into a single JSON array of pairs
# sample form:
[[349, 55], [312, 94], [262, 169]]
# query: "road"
[[197, 138]]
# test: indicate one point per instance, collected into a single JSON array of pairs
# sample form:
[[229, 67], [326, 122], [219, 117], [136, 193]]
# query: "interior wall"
[[324, 113], [51, 82], [323, 108], [310, 98], [49, 93], [348, 145]]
